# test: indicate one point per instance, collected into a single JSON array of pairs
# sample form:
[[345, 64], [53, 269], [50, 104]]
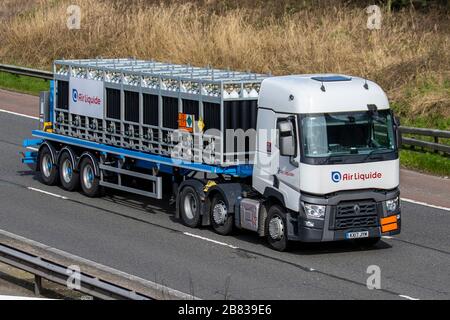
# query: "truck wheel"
[[48, 170], [90, 184], [67, 175], [190, 207], [276, 228], [221, 219]]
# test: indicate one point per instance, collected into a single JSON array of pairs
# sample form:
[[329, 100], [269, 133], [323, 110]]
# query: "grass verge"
[[425, 162], [428, 161], [23, 83]]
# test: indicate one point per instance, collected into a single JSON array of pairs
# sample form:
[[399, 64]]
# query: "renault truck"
[[311, 158]]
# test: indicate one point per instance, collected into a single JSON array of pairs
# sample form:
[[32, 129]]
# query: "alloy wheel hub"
[[276, 228], [220, 213]]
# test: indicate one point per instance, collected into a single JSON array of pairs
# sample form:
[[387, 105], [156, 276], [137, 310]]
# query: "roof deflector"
[[331, 78]]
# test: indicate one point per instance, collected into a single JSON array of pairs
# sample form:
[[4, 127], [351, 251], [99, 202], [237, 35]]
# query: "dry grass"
[[412, 47], [11, 8]]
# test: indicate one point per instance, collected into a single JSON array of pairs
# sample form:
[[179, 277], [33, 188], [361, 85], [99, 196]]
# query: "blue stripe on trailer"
[[50, 101], [244, 170], [151, 165], [31, 142]]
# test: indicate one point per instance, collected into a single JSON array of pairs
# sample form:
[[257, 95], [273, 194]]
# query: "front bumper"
[[300, 228]]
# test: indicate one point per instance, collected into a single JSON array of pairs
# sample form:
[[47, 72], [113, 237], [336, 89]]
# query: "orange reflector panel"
[[389, 227], [387, 220]]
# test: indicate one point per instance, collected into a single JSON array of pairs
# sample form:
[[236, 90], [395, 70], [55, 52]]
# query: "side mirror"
[[286, 138], [398, 134]]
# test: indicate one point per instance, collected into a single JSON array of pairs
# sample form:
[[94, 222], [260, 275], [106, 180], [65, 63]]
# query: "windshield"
[[352, 133]]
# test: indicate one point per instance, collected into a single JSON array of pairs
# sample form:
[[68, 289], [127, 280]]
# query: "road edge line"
[[19, 114], [47, 193], [425, 204], [210, 240]]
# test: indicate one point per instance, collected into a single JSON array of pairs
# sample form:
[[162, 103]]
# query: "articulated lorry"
[[310, 158]]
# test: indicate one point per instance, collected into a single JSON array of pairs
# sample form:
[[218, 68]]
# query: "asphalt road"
[[141, 237]]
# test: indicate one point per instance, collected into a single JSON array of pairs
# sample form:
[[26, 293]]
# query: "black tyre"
[[276, 228], [190, 207], [90, 183], [68, 175], [48, 171], [367, 242], [221, 220]]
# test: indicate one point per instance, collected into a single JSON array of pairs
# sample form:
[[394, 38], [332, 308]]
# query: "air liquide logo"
[[81, 97], [337, 176], [74, 95]]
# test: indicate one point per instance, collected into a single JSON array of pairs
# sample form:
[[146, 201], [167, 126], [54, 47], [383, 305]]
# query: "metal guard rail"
[[46, 75], [436, 134], [96, 280]]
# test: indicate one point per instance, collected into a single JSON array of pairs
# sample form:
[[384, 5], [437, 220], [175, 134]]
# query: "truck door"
[[287, 177]]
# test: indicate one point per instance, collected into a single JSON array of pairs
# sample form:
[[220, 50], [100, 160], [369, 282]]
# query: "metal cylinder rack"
[[143, 101]]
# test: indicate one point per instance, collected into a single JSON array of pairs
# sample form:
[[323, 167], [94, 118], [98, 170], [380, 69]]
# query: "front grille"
[[349, 215], [346, 223], [356, 209]]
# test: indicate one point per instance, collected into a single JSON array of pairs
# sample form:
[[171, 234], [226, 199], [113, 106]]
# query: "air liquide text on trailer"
[[309, 158]]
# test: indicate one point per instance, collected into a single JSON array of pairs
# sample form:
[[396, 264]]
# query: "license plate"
[[357, 235]]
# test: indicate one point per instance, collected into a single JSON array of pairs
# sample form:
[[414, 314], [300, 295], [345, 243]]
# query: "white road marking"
[[19, 114], [407, 297], [387, 237], [425, 204], [47, 193], [21, 298], [210, 240]]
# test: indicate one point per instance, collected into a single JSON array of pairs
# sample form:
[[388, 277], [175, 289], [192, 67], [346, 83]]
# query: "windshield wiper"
[[375, 151], [330, 157]]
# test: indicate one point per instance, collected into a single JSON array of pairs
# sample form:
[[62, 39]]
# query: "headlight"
[[314, 211], [392, 205]]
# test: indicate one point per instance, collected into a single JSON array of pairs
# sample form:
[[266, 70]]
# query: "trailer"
[[293, 158]]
